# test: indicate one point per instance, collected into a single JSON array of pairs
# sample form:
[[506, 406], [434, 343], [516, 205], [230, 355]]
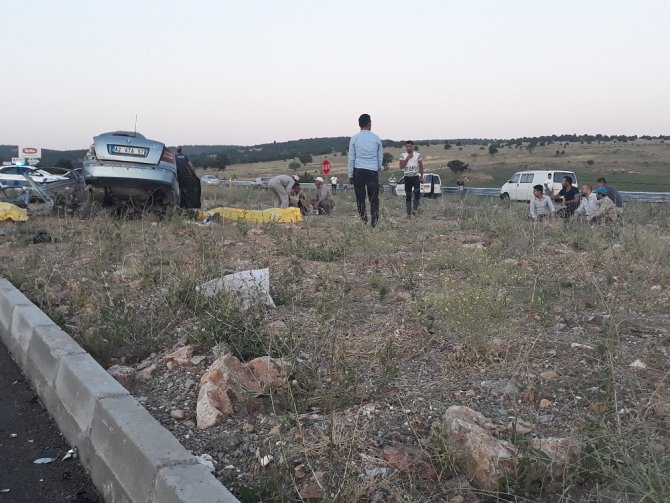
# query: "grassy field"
[[633, 166], [386, 328]]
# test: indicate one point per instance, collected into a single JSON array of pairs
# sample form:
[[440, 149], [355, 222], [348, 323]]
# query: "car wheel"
[[90, 207], [505, 196]]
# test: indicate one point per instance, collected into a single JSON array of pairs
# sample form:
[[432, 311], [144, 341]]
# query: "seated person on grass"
[[588, 203], [606, 211], [568, 196], [612, 193], [540, 204]]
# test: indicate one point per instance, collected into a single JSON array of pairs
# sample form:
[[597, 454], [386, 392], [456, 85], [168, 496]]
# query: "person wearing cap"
[[569, 196], [588, 202], [364, 163], [606, 211], [323, 201], [540, 204], [412, 164], [189, 183], [281, 186]]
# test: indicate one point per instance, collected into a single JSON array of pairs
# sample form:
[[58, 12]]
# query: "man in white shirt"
[[412, 164], [333, 182], [541, 205], [549, 185], [588, 203]]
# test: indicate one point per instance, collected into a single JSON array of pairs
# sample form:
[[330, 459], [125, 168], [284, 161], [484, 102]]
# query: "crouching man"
[[323, 201], [296, 199]]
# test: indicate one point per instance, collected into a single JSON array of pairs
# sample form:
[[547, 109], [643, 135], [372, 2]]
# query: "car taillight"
[[91, 151], [167, 156]]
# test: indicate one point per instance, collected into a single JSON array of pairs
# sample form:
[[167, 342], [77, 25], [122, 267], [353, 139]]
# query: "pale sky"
[[254, 71]]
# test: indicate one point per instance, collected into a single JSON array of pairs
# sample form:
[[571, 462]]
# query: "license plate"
[[124, 150]]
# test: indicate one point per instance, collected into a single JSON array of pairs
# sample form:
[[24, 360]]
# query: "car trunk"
[[125, 148]]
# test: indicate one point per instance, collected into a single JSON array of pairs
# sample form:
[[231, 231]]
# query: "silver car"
[[125, 169], [210, 180]]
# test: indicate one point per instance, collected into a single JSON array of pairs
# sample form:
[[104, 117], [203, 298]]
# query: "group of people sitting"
[[289, 193], [604, 204]]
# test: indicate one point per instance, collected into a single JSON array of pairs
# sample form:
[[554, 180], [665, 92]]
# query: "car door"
[[400, 187], [431, 184], [514, 186], [525, 186]]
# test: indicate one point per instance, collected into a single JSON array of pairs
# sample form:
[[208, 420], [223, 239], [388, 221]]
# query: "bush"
[[457, 166]]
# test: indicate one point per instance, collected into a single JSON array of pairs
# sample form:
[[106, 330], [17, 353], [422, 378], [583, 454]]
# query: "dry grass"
[[387, 327]]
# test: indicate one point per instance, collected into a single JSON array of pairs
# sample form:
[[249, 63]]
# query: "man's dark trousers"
[[367, 181], [412, 184]]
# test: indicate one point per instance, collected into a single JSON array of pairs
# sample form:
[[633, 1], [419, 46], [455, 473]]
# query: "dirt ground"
[[563, 329]]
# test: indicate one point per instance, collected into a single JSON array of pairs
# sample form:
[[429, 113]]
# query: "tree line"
[[220, 156]]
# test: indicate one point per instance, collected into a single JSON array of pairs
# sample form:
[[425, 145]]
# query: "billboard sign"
[[26, 151]]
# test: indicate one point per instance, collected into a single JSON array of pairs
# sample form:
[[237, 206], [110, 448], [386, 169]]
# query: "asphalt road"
[[27, 433]]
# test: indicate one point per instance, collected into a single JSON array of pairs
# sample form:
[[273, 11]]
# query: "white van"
[[520, 186], [431, 185]]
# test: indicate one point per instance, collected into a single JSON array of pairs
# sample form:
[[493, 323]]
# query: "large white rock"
[[482, 458], [228, 380], [485, 460]]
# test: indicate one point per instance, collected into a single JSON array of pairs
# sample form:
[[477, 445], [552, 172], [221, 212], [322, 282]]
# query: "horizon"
[[250, 74], [415, 140]]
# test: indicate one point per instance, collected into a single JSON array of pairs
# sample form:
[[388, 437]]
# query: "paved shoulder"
[[28, 433]]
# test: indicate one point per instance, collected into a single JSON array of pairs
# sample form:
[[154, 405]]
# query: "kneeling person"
[[323, 202]]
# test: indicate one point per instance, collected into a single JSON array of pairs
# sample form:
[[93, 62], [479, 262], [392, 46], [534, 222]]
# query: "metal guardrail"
[[638, 197], [646, 197]]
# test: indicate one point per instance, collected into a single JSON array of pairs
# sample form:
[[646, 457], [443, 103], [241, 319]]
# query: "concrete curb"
[[130, 456]]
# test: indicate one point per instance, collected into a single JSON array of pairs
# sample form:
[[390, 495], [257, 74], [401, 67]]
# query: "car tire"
[[505, 196], [89, 208]]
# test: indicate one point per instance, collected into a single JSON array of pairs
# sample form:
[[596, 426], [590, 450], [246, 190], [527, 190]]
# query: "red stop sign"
[[325, 167]]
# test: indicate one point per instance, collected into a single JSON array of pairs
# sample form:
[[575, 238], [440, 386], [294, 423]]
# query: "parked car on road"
[[431, 185], [210, 180], [262, 181], [520, 186]]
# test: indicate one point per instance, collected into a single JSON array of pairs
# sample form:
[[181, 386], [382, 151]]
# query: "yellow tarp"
[[280, 215], [9, 211]]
